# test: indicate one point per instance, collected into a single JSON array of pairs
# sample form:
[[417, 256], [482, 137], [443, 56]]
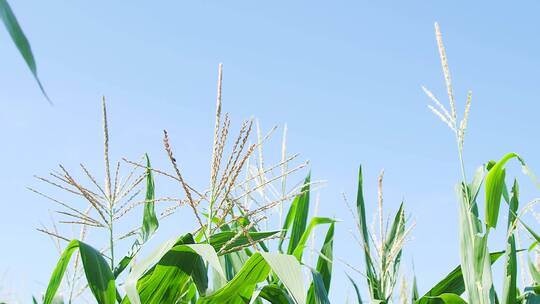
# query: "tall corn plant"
[[475, 271], [382, 249], [100, 207], [226, 258]]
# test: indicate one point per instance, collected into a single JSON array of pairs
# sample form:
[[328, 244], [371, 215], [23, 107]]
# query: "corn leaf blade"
[[21, 42]]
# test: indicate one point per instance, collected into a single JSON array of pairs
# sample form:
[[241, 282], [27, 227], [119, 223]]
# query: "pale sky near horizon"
[[345, 76]]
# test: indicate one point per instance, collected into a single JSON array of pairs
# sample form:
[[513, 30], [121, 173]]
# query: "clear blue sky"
[[344, 75]]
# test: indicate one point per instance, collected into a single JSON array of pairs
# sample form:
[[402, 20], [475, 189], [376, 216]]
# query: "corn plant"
[[382, 249], [227, 258], [474, 276]]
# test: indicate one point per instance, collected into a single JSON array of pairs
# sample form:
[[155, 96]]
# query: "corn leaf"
[[255, 270], [165, 275], [150, 221], [219, 239], [98, 273], [510, 271], [324, 264], [20, 41], [299, 221], [414, 294], [299, 250], [356, 290], [320, 293], [371, 275], [452, 283], [273, 294], [450, 298]]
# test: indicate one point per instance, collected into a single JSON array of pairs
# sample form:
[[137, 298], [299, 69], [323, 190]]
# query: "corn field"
[[257, 234]]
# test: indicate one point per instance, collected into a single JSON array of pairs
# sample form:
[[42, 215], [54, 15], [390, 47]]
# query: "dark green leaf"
[[20, 41], [98, 274], [452, 283], [324, 264], [300, 216], [356, 290]]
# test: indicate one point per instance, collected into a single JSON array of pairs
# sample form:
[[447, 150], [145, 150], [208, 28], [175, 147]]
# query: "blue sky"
[[344, 75]]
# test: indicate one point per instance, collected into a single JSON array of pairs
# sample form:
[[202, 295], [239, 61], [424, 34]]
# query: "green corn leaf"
[[510, 271], [150, 221], [299, 250], [164, 276], [255, 270], [494, 188], [273, 294], [531, 232], [452, 283], [288, 221], [356, 290], [325, 261], [371, 275], [450, 298], [320, 293], [324, 264], [289, 272], [299, 221], [98, 274], [535, 273], [531, 295], [398, 228], [219, 239], [414, 296], [124, 262], [20, 41]]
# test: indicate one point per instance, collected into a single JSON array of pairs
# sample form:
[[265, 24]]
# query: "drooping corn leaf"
[[98, 273], [273, 294], [494, 188], [452, 283], [241, 287], [299, 250], [165, 275], [20, 41], [450, 298], [289, 272], [256, 269]]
